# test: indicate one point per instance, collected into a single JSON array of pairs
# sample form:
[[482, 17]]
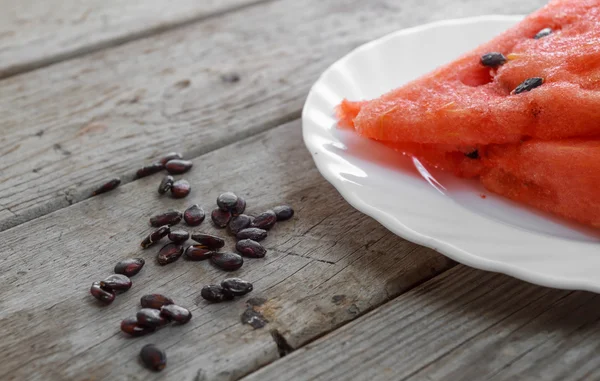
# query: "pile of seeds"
[[157, 311], [227, 290]]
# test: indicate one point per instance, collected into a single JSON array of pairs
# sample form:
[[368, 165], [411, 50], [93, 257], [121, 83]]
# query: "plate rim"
[[397, 227]]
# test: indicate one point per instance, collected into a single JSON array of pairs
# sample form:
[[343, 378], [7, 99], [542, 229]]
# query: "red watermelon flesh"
[[562, 177], [540, 147], [466, 103]]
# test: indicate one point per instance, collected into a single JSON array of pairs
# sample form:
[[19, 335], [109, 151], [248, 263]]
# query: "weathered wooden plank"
[[70, 125], [324, 268], [38, 33], [465, 324]]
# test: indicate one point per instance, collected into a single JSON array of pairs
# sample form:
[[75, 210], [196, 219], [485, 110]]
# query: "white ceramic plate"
[[421, 204]]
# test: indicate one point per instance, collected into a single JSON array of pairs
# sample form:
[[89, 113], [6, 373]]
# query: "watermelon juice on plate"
[[417, 158]]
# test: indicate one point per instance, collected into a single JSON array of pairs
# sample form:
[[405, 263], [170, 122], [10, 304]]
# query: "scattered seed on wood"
[[150, 169], [177, 167], [155, 236], [105, 296], [253, 318], [251, 249], [543, 33], [108, 186], [210, 241], [237, 286], [180, 189], [227, 201], [265, 220], [170, 217], [220, 218], [194, 215], [116, 283], [171, 156], [493, 59], [230, 77], [176, 313], [129, 267], [227, 261], [179, 236], [283, 212], [240, 207], [198, 253], [169, 253], [238, 223], [131, 327], [150, 317], [254, 234], [155, 301], [215, 293], [153, 357], [166, 184], [528, 85]]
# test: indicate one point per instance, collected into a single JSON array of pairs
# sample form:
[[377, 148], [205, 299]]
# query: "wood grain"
[[465, 324], [71, 125], [325, 267], [38, 33]]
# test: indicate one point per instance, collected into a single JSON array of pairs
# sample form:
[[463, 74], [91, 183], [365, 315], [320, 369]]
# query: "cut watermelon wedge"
[[513, 112]]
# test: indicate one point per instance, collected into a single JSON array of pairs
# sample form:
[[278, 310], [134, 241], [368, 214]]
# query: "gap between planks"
[[26, 67]]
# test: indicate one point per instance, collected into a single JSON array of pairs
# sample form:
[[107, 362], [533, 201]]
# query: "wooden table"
[[92, 90]]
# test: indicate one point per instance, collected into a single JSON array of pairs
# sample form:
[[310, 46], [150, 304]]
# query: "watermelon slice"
[[513, 112]]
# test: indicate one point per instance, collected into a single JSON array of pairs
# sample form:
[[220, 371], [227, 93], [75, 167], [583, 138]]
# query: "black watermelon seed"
[[108, 186], [227, 201], [169, 253], [227, 261], [543, 33], [180, 189], [176, 313], [116, 283], [473, 154], [237, 286], [251, 249], [198, 252], [170, 217], [105, 296], [150, 317], [131, 327], [165, 184], [171, 156], [177, 167], [210, 241], [155, 236], [155, 301], [265, 220], [129, 267], [283, 212], [240, 207], [528, 85], [493, 59], [153, 357], [220, 218], [178, 236], [194, 215], [238, 223], [150, 169], [254, 234], [215, 293]]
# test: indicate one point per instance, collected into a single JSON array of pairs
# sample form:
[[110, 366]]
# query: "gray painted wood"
[[465, 324], [324, 268], [73, 124], [38, 33]]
